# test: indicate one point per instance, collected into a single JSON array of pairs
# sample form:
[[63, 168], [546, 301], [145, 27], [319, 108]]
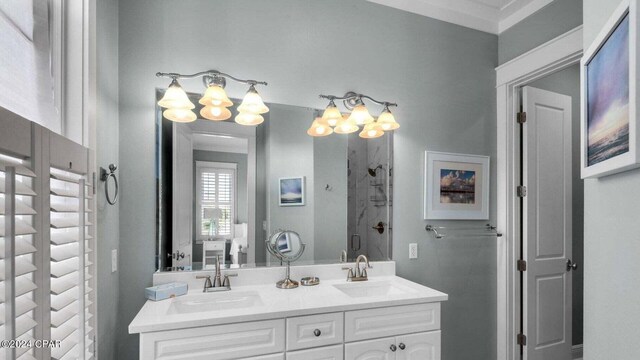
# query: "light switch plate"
[[413, 251], [114, 260]]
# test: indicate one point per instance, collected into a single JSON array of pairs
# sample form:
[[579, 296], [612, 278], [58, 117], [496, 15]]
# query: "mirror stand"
[[287, 282]]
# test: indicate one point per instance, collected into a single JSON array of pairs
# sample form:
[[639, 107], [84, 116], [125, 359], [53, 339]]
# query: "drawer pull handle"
[[392, 347], [402, 346], [317, 332]]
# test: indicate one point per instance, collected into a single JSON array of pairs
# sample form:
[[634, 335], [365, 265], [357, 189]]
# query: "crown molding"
[[492, 16]]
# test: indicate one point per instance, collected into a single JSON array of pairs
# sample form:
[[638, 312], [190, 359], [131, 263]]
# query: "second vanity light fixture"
[[332, 120], [215, 100]]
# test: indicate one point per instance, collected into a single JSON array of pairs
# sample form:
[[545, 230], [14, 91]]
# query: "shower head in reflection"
[[373, 172]]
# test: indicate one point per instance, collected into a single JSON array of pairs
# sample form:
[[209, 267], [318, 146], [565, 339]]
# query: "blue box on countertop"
[[165, 291]]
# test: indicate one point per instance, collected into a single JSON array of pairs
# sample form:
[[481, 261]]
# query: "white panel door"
[[371, 350], [182, 194], [547, 224], [422, 346]]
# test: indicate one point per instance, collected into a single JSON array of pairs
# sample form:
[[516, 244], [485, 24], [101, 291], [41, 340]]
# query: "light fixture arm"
[[351, 99], [209, 73]]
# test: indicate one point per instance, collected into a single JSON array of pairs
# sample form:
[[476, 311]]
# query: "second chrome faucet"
[[357, 274]]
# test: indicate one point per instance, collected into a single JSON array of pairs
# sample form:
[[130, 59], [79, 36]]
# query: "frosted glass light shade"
[[331, 115], [249, 119], [318, 128], [215, 96], [346, 126], [180, 115], [215, 113], [360, 115], [387, 121], [252, 103], [175, 98], [371, 131]]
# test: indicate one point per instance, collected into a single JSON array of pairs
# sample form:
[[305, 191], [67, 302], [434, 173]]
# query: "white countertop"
[[279, 303]]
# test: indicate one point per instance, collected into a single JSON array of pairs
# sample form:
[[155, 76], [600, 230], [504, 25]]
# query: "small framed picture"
[[609, 69], [292, 191], [456, 186]]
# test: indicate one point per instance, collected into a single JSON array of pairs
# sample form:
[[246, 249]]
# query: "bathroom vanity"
[[386, 317]]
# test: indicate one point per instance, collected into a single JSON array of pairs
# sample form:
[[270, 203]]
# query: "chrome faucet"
[[218, 284], [358, 274]]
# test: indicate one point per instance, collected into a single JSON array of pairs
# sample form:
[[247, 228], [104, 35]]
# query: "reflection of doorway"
[[549, 58]]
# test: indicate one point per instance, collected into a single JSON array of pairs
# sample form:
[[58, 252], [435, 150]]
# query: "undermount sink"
[[214, 302], [372, 289]]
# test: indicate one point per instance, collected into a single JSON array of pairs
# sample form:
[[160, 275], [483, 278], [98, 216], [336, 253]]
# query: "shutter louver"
[[17, 248]]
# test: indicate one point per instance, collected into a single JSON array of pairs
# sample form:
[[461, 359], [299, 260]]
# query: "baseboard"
[[576, 352]]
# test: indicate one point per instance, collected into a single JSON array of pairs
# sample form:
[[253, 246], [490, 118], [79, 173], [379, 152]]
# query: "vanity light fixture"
[[359, 116], [215, 101]]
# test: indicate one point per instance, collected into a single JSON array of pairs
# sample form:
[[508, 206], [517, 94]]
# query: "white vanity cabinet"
[[405, 332]]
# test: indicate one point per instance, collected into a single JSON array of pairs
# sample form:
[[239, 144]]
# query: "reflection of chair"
[[238, 250], [211, 249]]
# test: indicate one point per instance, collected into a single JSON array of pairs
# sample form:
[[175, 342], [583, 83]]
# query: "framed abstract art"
[[609, 124]]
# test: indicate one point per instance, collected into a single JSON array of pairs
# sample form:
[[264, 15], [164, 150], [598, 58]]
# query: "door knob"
[[401, 346], [571, 265], [392, 347]]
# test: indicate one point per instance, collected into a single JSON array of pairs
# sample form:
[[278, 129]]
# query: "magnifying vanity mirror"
[[286, 246], [223, 188]]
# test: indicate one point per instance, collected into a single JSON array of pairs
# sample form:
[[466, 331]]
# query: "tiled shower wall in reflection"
[[369, 197]]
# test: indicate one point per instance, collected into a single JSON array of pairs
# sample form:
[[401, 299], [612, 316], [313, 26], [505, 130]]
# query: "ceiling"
[[221, 143], [492, 16]]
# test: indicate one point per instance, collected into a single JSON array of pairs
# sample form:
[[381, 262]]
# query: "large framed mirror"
[[223, 188]]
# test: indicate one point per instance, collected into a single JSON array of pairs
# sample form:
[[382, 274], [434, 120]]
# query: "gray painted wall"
[[442, 76], [290, 154], [612, 245], [549, 22], [330, 169], [567, 82], [108, 227], [241, 192]]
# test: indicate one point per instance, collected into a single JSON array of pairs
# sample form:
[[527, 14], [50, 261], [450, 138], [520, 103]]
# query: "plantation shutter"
[[46, 240], [71, 265], [17, 242], [216, 190]]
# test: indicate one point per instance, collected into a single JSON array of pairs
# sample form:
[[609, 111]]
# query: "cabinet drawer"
[[323, 353], [315, 330], [268, 357], [213, 245], [391, 321], [224, 342]]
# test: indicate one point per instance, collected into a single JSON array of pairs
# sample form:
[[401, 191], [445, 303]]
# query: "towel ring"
[[105, 175]]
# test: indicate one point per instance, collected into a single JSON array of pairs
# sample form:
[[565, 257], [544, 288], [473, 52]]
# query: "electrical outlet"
[[413, 251], [114, 260]]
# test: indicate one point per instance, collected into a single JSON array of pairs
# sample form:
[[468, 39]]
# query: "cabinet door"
[[371, 350], [422, 346], [323, 353]]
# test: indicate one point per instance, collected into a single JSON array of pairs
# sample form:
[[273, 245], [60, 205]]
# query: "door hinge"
[[93, 182], [521, 339], [522, 265], [521, 117], [522, 191]]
